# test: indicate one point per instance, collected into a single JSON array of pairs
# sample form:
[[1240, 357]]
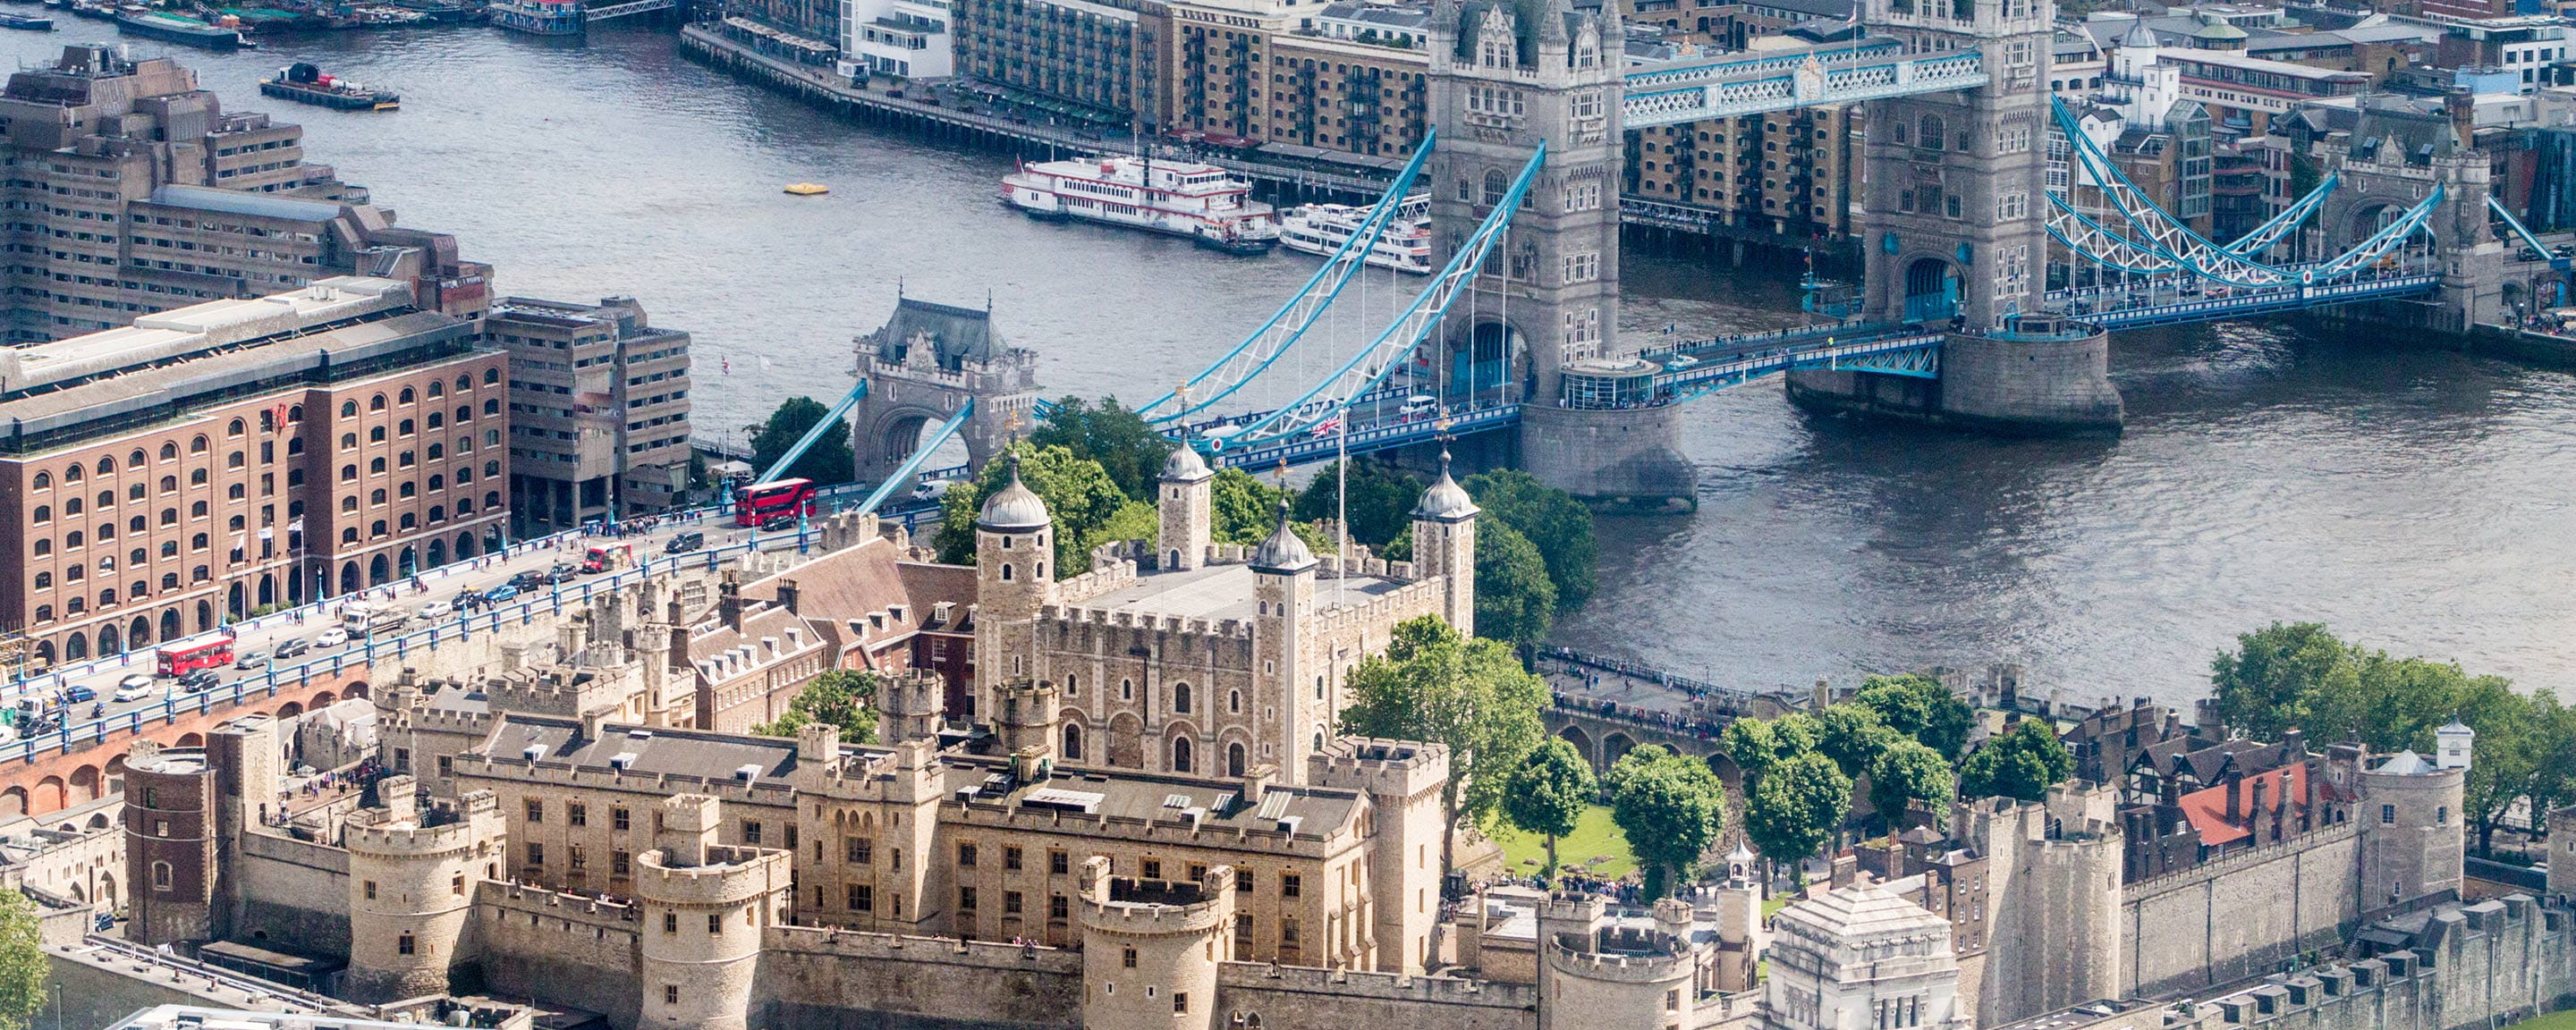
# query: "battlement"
[[1064, 618], [377, 833], [730, 876], [1176, 829], [1641, 965], [1582, 907], [511, 897], [2237, 860], [769, 792], [1346, 983], [1379, 767], [442, 720], [1120, 904], [888, 947], [1418, 597], [1364, 565]]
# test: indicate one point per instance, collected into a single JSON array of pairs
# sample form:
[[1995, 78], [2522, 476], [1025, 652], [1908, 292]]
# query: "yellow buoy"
[[807, 189]]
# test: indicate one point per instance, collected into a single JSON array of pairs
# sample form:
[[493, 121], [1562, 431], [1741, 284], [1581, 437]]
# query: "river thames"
[[2417, 501]]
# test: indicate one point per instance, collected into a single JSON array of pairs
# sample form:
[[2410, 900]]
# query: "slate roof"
[[1862, 912], [658, 752], [958, 334]]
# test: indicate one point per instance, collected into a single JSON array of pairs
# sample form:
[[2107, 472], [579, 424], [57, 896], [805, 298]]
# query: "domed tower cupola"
[[1186, 512], [1014, 508], [1444, 546], [1284, 554]]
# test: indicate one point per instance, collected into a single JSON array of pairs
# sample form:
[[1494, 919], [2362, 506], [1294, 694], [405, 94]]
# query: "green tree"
[[1794, 807], [1671, 808], [2273, 679], [1552, 519], [22, 962], [1515, 603], [1907, 772], [1381, 506], [1079, 497], [1126, 448], [1134, 520], [1471, 695], [1853, 736], [1756, 744], [826, 463], [1244, 509], [1920, 707], [841, 697], [1548, 793], [2022, 762]]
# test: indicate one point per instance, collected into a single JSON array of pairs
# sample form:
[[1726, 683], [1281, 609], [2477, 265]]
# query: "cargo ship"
[[1182, 198], [29, 22], [1321, 229], [177, 28], [305, 84]]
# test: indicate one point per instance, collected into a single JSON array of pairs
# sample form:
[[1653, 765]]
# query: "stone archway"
[[1614, 747], [1126, 744], [85, 784], [465, 547], [170, 628], [379, 571], [1582, 743], [111, 642], [138, 633], [1932, 290]]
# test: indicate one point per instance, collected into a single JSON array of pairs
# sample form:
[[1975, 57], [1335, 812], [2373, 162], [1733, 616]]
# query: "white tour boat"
[[1321, 229], [1183, 198]]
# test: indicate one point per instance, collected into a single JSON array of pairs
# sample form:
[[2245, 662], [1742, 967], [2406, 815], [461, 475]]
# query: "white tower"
[[1283, 582], [1444, 547], [1015, 576], [1187, 510], [2453, 744]]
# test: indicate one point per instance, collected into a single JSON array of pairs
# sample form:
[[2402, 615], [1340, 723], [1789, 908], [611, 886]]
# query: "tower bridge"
[[2002, 246]]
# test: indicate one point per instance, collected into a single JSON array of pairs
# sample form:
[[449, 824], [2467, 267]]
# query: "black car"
[[528, 580], [685, 543], [291, 649], [561, 574], [779, 521], [199, 681]]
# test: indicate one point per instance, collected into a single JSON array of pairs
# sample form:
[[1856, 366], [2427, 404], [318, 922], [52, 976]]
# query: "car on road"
[[528, 580], [199, 681], [140, 679], [333, 637], [132, 691], [435, 610], [501, 593], [782, 520], [251, 660], [76, 695], [292, 649], [685, 543], [561, 574]]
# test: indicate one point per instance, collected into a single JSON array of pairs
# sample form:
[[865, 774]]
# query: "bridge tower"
[[1505, 76], [1954, 234], [926, 362]]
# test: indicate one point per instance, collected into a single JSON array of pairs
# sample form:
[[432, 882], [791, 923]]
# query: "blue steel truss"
[[2529, 238], [1289, 324], [921, 453], [1671, 93]]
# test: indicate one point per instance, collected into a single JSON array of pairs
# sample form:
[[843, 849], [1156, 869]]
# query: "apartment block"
[[599, 410]]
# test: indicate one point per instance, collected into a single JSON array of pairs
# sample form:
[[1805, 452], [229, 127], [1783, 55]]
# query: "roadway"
[[446, 584]]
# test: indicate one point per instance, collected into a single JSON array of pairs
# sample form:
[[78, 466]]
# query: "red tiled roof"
[[2207, 808]]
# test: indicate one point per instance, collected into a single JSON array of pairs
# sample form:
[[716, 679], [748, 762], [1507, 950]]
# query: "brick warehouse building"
[[220, 458]]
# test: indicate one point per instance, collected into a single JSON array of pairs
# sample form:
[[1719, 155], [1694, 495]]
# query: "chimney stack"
[[787, 595]]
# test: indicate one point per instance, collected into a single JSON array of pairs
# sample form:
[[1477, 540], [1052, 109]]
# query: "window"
[[160, 876], [1180, 1002], [1181, 698], [1152, 869], [670, 922], [1011, 858], [715, 924], [619, 819], [750, 832], [536, 806], [576, 814], [863, 898], [670, 994], [966, 855], [368, 889], [966, 899], [2387, 815], [2442, 815], [1291, 885], [859, 850], [1010, 903], [536, 854], [1059, 907], [1582, 268], [1058, 862], [1242, 881], [1127, 957], [403, 945]]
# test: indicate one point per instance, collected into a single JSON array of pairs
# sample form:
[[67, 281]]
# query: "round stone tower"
[[1594, 972], [411, 889], [169, 844], [1150, 949], [2411, 828], [705, 907]]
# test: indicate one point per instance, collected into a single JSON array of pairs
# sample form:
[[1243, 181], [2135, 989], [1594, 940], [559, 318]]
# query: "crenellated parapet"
[[1379, 767]]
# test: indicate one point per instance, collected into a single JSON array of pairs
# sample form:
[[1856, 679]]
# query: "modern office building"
[[130, 191], [203, 463], [599, 410], [1100, 57]]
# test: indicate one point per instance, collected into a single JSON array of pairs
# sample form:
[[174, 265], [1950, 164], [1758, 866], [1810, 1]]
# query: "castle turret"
[[1026, 721], [1283, 589], [411, 890], [1444, 547], [1187, 511], [1403, 780], [169, 845], [1598, 972], [705, 906], [912, 705], [2562, 855], [1014, 574], [1150, 948], [2411, 837]]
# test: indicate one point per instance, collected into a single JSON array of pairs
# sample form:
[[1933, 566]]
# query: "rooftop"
[[1859, 913], [237, 202], [1144, 796], [1216, 592], [195, 330], [649, 752]]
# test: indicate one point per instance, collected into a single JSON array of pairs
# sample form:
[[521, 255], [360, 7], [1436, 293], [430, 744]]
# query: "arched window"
[[1072, 743], [75, 539], [376, 466], [410, 521], [407, 459], [106, 499], [75, 573], [492, 499], [198, 477], [437, 451], [464, 506], [377, 530], [74, 473], [197, 445], [44, 581], [43, 481], [169, 581], [1180, 754], [464, 413], [407, 396], [1931, 134], [197, 510], [491, 468], [348, 409], [465, 475], [408, 489], [491, 376], [294, 445], [348, 472], [437, 483], [295, 414], [1495, 186], [44, 546], [44, 513], [197, 542], [72, 506], [107, 466], [169, 484], [160, 876], [348, 441], [169, 451], [236, 492], [376, 496], [234, 428], [376, 435], [1181, 698], [376, 403], [348, 504], [1006, 571], [169, 516], [44, 613], [437, 389], [1234, 702], [134, 459], [438, 513], [169, 548], [1234, 759], [134, 525], [237, 523], [135, 491], [437, 419], [492, 406], [349, 535], [464, 383]]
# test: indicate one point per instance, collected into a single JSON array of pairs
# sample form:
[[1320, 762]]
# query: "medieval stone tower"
[[1508, 78], [1150, 948], [1444, 547], [1187, 510], [1015, 576], [2412, 832], [1595, 973], [411, 889], [1402, 779], [170, 845], [704, 907], [1283, 589]]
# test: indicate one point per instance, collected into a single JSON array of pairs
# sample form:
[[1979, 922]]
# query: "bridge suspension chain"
[[1290, 323], [1363, 373]]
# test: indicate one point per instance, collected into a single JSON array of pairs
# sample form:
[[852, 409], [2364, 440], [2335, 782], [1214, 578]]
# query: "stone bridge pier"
[[1603, 738], [927, 362]]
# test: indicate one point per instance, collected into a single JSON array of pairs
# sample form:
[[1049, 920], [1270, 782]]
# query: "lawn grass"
[[1594, 834], [2565, 1020]]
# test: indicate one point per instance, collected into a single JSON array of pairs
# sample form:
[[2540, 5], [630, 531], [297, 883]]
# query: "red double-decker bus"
[[181, 657], [762, 503]]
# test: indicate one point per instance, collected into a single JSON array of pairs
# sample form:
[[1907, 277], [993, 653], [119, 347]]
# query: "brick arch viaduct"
[[50, 778]]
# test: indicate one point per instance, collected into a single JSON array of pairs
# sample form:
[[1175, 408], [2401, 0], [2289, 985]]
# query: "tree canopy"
[[1244, 508], [1853, 736], [826, 463], [1079, 495], [1515, 603], [1129, 450], [1471, 695], [1549, 792], [23, 966], [2022, 762], [1671, 807], [1906, 772], [841, 697], [1553, 520], [1920, 707], [1381, 505], [1795, 806], [1756, 744]]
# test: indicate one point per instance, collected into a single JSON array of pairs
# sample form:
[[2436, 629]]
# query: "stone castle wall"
[[2242, 914], [819, 979], [293, 894], [1307, 997], [560, 948]]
